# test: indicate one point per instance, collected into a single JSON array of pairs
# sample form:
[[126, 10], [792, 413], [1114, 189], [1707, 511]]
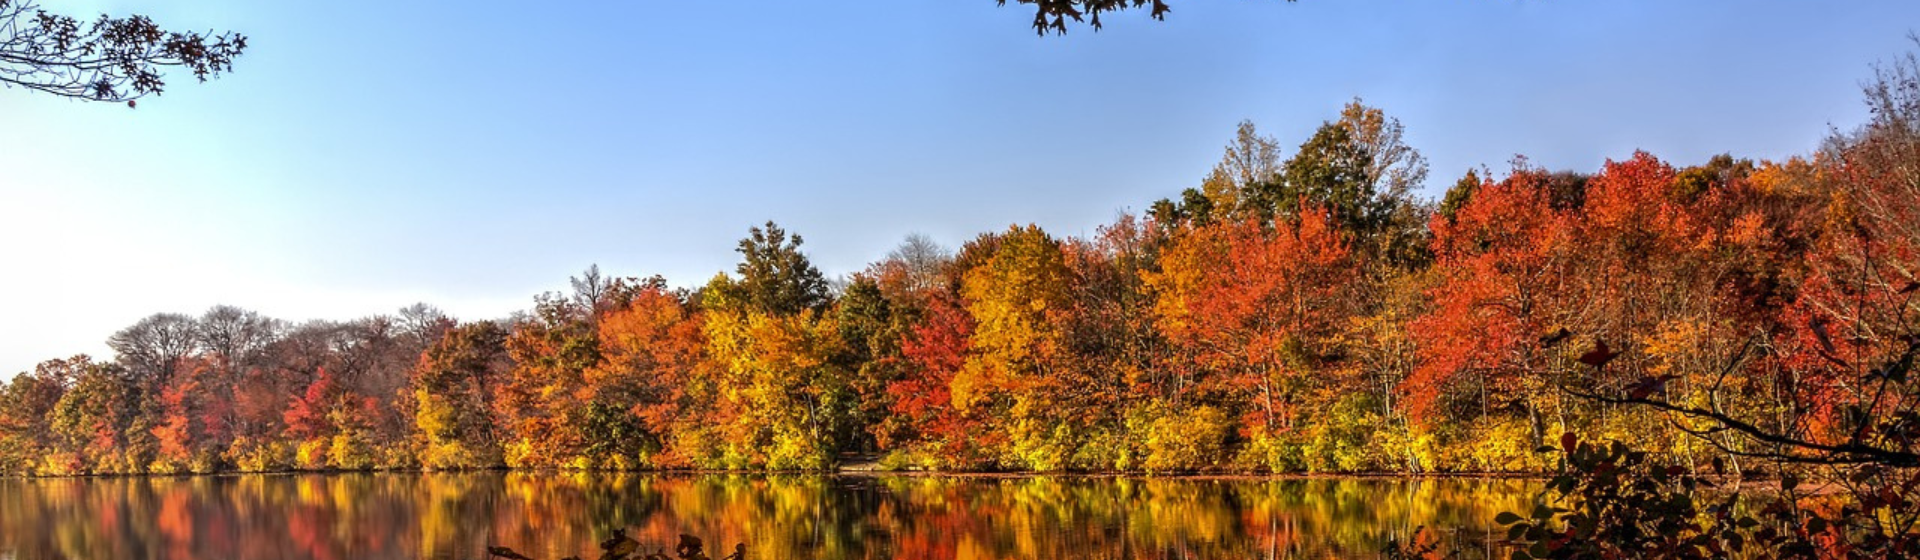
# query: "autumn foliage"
[[1309, 314]]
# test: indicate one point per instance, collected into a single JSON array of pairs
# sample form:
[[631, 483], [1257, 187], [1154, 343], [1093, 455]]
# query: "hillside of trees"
[[1305, 313]]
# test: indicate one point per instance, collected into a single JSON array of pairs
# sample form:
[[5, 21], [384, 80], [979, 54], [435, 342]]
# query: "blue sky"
[[367, 155]]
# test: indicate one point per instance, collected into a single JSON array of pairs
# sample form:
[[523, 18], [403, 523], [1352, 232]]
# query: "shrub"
[[1189, 440], [249, 455], [351, 451], [312, 454]]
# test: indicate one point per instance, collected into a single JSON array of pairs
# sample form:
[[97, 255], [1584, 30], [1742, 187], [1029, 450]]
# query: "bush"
[[1190, 440], [1039, 449], [249, 455], [312, 454], [165, 466], [1347, 438], [897, 460], [1274, 453], [62, 464], [350, 451], [518, 454], [1500, 444]]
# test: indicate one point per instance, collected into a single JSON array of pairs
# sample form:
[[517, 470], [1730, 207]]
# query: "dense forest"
[[1305, 313]]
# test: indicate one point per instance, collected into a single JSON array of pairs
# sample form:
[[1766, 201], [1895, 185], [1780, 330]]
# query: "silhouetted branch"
[[110, 59], [1052, 15]]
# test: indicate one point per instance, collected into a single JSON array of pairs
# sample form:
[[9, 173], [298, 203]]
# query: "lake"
[[552, 515]]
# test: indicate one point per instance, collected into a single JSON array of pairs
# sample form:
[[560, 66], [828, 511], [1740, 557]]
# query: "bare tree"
[[236, 335], [424, 323], [152, 348], [1394, 168], [1881, 161], [590, 291], [921, 260], [1247, 161]]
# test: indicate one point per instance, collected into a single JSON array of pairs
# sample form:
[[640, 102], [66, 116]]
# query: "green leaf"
[[1507, 518]]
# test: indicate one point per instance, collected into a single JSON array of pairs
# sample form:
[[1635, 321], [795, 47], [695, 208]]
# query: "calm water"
[[372, 516]]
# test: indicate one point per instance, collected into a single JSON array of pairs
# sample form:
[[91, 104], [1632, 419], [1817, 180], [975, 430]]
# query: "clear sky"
[[366, 155]]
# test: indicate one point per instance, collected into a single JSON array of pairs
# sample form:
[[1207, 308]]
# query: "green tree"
[[1228, 192], [1460, 194], [1396, 222], [775, 277], [1331, 171], [870, 326]]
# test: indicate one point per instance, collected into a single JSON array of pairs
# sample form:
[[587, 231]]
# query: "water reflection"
[[361, 516]]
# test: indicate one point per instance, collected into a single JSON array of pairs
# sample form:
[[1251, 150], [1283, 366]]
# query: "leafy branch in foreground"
[[1611, 501], [1052, 15], [110, 59]]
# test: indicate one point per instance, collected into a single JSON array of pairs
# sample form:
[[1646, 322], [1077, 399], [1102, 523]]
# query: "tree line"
[[1289, 314]]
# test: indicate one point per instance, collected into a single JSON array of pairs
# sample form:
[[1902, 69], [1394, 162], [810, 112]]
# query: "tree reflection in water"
[[548, 515]]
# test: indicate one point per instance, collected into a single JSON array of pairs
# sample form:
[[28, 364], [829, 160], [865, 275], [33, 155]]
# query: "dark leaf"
[[1599, 355], [1552, 339], [1820, 334], [504, 552]]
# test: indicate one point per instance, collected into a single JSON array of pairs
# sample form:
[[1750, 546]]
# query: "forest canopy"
[[1299, 309]]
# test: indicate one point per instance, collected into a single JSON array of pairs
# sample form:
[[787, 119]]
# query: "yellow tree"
[[784, 393], [782, 399], [1020, 297]]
